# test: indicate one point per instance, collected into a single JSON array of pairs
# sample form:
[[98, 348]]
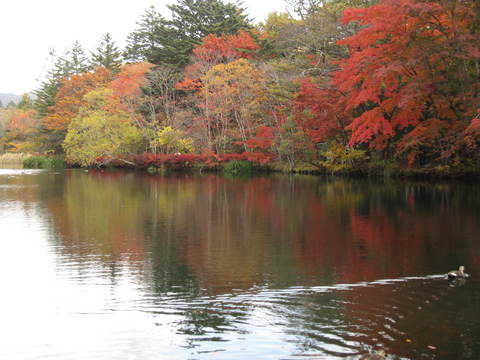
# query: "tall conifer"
[[107, 54]]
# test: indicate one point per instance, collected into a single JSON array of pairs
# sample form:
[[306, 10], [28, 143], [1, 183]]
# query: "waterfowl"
[[457, 274], [377, 355]]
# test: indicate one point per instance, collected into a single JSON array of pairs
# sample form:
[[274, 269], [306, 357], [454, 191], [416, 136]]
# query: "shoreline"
[[199, 163]]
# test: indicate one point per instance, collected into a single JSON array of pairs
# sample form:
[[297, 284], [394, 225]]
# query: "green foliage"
[[237, 167], [171, 42], [45, 94], [73, 61], [107, 54], [76, 59], [144, 41], [44, 162]]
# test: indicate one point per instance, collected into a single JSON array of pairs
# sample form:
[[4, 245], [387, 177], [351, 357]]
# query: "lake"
[[127, 265]]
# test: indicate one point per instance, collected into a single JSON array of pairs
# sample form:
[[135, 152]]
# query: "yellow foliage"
[[99, 132], [174, 140], [340, 158]]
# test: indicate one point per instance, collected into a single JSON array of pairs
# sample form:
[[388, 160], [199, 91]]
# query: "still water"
[[126, 265]]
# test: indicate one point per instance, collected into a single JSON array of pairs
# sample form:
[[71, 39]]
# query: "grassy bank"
[[12, 159]]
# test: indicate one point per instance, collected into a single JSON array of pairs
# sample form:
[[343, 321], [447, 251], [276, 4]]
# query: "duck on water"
[[377, 355], [457, 274]]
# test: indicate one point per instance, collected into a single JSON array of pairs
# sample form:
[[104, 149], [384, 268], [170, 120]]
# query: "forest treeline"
[[336, 86]]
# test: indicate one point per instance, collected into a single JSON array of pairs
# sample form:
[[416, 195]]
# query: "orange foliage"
[[189, 85], [127, 85], [22, 120], [69, 97]]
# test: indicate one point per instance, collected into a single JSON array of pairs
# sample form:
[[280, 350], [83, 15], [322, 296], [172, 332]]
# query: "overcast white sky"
[[29, 28]]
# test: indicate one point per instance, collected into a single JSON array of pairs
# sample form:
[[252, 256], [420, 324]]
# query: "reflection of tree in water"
[[190, 237], [108, 217], [238, 233], [367, 230]]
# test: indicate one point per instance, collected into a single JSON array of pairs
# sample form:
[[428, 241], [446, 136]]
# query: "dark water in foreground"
[[114, 265]]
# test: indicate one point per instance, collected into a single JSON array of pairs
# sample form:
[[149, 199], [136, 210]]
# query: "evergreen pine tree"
[[107, 54], [77, 59], [46, 92], [171, 42], [143, 42]]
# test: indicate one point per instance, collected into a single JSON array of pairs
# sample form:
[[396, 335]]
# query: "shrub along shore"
[[248, 163]]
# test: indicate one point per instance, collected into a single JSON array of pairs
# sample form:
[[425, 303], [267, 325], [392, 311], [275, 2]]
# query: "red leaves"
[[368, 125], [474, 127], [208, 159], [215, 48], [403, 72], [263, 139], [320, 113]]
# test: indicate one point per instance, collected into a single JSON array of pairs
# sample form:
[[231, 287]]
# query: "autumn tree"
[[170, 140], [128, 83], [216, 50], [100, 131], [225, 48], [20, 129], [232, 98], [23, 120], [69, 97], [159, 96], [412, 76]]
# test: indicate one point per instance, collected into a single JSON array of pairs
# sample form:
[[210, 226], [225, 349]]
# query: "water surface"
[[126, 265]]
